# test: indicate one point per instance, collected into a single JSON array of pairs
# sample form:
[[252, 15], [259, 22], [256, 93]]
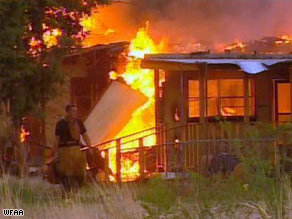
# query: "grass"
[[195, 197], [42, 200], [212, 198], [257, 191]]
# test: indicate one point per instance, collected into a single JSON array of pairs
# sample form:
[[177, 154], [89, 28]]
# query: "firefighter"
[[70, 161]]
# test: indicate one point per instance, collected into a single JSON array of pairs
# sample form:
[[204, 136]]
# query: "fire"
[[235, 46], [51, 37], [287, 38], [228, 111], [143, 81], [113, 75], [284, 39], [96, 28], [23, 134], [93, 24]]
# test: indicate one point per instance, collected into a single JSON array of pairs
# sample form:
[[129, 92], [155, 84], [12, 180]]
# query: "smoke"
[[207, 21], [215, 20]]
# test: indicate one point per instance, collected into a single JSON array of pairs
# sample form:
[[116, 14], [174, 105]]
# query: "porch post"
[[106, 165], [157, 107], [246, 99], [203, 92], [118, 161], [203, 107], [141, 159]]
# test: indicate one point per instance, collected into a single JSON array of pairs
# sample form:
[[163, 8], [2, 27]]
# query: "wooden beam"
[[106, 165], [156, 84], [141, 159], [246, 99], [182, 99], [175, 66], [203, 92], [216, 56], [118, 161]]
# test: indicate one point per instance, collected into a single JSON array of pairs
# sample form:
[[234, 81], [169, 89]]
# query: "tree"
[[34, 37], [28, 61]]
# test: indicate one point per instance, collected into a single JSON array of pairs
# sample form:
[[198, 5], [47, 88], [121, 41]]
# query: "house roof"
[[252, 64], [117, 46]]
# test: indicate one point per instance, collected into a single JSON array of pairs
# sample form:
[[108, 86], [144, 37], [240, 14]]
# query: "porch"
[[196, 150]]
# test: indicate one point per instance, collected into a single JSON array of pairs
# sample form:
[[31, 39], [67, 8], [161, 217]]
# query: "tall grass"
[[42, 200], [259, 190], [195, 197]]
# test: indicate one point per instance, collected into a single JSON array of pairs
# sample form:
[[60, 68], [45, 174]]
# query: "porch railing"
[[189, 147]]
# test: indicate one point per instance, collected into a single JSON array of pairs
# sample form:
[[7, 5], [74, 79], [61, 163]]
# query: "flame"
[[228, 111], [236, 46], [35, 46], [96, 28], [23, 134], [284, 39], [143, 81], [113, 75], [287, 38], [50, 37]]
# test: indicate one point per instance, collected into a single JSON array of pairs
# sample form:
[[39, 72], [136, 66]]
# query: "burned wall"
[[172, 108]]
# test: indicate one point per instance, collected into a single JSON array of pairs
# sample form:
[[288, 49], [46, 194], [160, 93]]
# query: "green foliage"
[[195, 197], [27, 78], [158, 192]]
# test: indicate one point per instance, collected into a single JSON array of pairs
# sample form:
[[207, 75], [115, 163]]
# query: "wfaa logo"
[[13, 212]]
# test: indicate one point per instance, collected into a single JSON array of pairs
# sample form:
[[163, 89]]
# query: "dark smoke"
[[216, 21]]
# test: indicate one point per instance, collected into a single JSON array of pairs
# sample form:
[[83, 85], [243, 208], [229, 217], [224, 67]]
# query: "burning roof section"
[[251, 64], [112, 47]]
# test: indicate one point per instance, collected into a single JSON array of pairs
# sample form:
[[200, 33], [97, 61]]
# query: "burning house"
[[157, 108], [167, 105], [196, 96], [196, 92]]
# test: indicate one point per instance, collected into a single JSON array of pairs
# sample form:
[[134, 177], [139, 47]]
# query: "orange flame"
[[97, 29], [51, 37], [236, 46], [284, 39], [143, 81], [23, 134]]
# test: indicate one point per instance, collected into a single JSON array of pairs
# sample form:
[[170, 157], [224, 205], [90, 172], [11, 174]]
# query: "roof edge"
[[216, 56]]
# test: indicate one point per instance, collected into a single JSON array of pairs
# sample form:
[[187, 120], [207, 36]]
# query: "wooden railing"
[[194, 149]]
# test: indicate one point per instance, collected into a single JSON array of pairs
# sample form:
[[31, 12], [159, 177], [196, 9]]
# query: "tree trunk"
[[43, 127]]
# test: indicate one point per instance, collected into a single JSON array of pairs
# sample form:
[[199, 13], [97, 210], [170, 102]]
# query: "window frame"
[[220, 117], [277, 114]]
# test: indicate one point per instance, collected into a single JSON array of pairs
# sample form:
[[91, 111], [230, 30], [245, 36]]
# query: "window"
[[213, 94], [231, 99], [225, 97], [283, 110], [194, 98]]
